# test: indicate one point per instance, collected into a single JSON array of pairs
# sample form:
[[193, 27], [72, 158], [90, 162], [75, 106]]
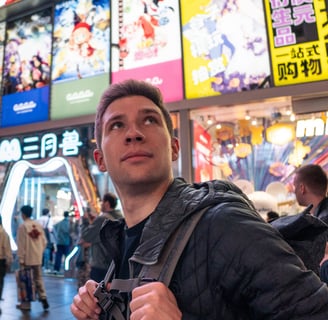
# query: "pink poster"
[[146, 44]]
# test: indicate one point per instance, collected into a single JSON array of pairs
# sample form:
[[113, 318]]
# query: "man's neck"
[[137, 206]]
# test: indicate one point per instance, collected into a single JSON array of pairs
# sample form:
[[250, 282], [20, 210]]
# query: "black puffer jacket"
[[235, 265]]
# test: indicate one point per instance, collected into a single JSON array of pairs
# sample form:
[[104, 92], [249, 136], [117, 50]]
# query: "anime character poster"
[[225, 47], [81, 49], [26, 69], [147, 44], [298, 40]]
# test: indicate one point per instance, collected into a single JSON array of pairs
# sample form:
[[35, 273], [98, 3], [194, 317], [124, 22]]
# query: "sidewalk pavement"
[[60, 293]]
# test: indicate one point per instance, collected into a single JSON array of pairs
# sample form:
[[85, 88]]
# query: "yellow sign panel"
[[298, 39], [225, 47]]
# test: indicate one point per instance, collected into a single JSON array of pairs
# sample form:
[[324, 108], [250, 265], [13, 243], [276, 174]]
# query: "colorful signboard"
[[224, 46], [26, 70], [81, 52], [202, 161], [298, 37], [148, 44]]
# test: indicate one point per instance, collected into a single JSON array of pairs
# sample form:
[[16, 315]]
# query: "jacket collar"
[[180, 201]]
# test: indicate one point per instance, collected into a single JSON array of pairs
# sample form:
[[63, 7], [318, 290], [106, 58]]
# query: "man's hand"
[[84, 304], [154, 301]]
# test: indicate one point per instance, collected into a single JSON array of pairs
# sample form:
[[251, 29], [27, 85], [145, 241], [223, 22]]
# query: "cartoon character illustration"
[[81, 46]]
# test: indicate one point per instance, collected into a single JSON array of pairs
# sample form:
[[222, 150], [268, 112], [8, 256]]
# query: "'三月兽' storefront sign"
[[42, 146]]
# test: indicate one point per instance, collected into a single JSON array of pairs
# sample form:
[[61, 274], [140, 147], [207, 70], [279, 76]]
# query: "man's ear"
[[98, 156], [175, 148]]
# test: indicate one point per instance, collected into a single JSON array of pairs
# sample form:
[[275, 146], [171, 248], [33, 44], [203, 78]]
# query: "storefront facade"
[[237, 115]]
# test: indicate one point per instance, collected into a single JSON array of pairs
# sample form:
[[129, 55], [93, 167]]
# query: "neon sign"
[[311, 127], [43, 146]]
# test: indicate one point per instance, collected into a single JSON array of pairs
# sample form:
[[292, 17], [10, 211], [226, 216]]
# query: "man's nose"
[[134, 135]]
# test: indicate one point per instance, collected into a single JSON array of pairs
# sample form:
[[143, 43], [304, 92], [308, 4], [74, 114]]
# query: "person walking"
[[90, 233], [64, 241], [47, 224], [235, 265], [31, 242], [6, 256]]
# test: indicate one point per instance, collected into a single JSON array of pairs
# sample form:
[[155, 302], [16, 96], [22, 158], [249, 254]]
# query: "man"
[[310, 187], [6, 256], [99, 257], [30, 246], [235, 265], [64, 241]]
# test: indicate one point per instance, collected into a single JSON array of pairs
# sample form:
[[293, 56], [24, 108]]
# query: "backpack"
[[111, 301], [306, 234]]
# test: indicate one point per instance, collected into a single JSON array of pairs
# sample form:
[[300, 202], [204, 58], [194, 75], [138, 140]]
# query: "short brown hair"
[[127, 88], [314, 177]]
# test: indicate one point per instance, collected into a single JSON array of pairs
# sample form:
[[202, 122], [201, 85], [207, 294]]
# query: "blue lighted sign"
[[25, 107]]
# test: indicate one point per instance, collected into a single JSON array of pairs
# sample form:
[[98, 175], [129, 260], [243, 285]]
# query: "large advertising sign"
[[225, 46], [26, 70], [81, 49], [298, 37], [148, 44]]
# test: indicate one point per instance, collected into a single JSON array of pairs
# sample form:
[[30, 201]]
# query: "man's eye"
[[116, 125], [150, 120]]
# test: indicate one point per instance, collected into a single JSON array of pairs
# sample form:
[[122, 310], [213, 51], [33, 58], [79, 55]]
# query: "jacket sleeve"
[[21, 241], [90, 233], [9, 255], [258, 269]]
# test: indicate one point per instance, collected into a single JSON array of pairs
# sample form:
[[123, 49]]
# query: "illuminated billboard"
[[298, 38], [225, 47], [81, 49], [26, 69], [146, 44]]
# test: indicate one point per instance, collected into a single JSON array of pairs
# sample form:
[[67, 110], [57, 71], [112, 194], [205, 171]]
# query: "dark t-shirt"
[[128, 246]]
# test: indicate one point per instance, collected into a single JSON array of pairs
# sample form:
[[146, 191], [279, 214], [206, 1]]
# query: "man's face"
[[136, 145]]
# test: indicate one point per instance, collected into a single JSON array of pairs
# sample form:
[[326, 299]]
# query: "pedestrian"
[[30, 246], [234, 266], [83, 256], [6, 256], [64, 241], [47, 224], [310, 187], [90, 233]]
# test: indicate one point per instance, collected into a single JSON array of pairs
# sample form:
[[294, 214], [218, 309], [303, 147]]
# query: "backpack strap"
[[161, 271]]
